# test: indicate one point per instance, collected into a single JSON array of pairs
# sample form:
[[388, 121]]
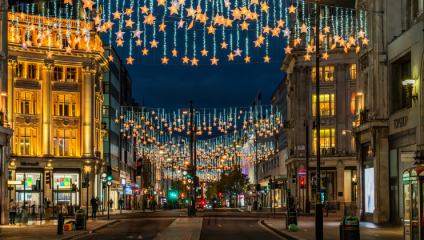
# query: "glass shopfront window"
[[328, 185], [30, 193], [64, 193]]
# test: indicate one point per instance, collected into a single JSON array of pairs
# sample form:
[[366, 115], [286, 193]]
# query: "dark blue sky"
[[230, 84]]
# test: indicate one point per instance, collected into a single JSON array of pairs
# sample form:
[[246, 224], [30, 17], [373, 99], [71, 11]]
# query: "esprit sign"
[[400, 122]]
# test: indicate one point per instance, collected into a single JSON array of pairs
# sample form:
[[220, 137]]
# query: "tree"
[[233, 181], [212, 191]]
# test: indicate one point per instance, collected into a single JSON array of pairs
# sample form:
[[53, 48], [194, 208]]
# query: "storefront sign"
[[407, 156], [400, 122], [36, 164], [136, 185], [10, 182]]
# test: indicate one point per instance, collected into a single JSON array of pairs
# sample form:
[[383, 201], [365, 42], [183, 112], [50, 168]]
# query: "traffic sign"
[[302, 173]]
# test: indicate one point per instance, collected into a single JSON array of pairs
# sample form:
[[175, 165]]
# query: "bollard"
[[60, 221]]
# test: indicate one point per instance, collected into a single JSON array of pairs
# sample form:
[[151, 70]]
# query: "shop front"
[[30, 193]]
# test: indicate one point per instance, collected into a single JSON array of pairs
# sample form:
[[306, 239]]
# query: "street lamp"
[[87, 170]]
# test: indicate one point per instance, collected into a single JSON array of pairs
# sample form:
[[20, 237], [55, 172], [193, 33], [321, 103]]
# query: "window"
[[106, 113], [71, 74], [353, 103], [19, 70], [327, 141], [65, 142], [325, 74], [65, 105], [32, 71], [353, 71], [26, 102], [326, 104], [58, 74], [26, 141]]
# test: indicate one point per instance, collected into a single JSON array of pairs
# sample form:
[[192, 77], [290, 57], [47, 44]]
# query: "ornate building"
[[54, 98]]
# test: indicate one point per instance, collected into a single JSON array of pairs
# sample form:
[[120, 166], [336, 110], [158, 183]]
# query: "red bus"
[[200, 200]]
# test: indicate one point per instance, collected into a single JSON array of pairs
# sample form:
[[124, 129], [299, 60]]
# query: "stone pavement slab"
[[182, 229], [47, 230], [367, 230]]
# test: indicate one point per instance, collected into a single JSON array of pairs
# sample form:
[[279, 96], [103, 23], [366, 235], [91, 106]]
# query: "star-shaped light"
[[365, 41], [243, 10], [224, 45], [161, 2], [49, 55], [145, 51], [244, 25], [248, 14], [68, 49], [204, 52], [307, 57], [194, 61], [32, 27], [342, 42], [236, 14], [88, 49], [326, 29], [191, 12], [227, 3], [321, 37], [254, 2], [216, 19], [129, 23], [304, 29], [336, 38], [55, 25], [264, 7], [174, 52], [203, 18], [361, 34], [68, 1], [24, 46], [29, 43], [137, 33], [288, 49], [211, 29], [255, 16], [266, 58], [286, 32], [181, 2], [129, 11], [173, 9], [297, 41], [88, 4], [153, 44], [280, 23], [181, 23], [257, 43], [214, 61], [266, 29], [110, 58], [119, 42], [164, 60], [98, 28], [261, 39], [352, 41], [358, 49], [144, 9], [120, 34], [130, 60], [309, 49], [325, 56], [162, 27], [237, 52], [231, 57], [109, 24], [228, 22], [116, 15], [138, 42], [333, 46], [276, 32], [185, 59], [247, 59], [292, 9], [149, 19]]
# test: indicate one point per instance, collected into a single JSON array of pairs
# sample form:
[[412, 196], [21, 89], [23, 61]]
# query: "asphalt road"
[[140, 228]]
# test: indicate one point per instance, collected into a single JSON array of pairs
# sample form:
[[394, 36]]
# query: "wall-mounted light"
[[409, 83]]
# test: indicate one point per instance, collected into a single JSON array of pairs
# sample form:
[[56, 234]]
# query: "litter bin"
[[291, 217], [80, 220], [349, 228]]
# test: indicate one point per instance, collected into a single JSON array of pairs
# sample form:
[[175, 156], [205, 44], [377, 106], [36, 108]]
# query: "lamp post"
[[409, 83], [87, 170], [307, 207]]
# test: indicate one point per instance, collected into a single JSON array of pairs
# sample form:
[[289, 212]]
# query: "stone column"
[[88, 108], [340, 182], [46, 110], [11, 97], [381, 175]]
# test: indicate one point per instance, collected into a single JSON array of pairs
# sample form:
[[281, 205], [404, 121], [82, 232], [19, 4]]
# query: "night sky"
[[230, 84]]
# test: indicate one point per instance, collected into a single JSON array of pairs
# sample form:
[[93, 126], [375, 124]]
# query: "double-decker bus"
[[200, 199]]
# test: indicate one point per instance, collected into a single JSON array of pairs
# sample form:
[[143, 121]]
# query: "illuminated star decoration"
[[244, 26], [257, 43], [164, 60], [361, 34], [129, 11], [276, 32], [280, 23], [365, 41], [358, 49], [145, 51], [154, 44], [292, 9], [116, 15], [194, 61], [237, 52], [304, 29], [286, 32], [68, 49], [254, 2], [110, 58], [138, 42], [173, 8], [129, 23], [204, 52], [261, 39], [144, 9], [181, 23], [264, 7], [227, 3], [130, 60], [236, 14], [49, 55], [162, 27], [266, 29], [119, 42], [231, 57], [224, 45], [247, 59], [326, 29], [97, 20], [161, 2], [25, 46], [191, 12], [149, 19], [120, 34], [325, 56], [288, 49], [174, 52], [214, 61], [137, 33], [211, 29], [68, 1], [88, 4], [266, 58], [307, 57], [185, 59]]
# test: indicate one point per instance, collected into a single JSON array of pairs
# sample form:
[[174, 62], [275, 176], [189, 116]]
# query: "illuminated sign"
[[28, 182], [302, 173], [64, 182], [10, 182]]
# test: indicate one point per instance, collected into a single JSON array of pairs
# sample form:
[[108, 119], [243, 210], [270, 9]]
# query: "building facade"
[[55, 99], [389, 130], [337, 76]]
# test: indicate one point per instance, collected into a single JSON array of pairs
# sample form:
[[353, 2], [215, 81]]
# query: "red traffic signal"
[[151, 197], [182, 194], [220, 194], [302, 183]]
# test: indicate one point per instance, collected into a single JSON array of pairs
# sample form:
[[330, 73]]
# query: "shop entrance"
[[31, 199], [413, 192]]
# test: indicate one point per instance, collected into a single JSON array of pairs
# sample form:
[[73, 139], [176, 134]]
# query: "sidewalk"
[[47, 230], [182, 229], [306, 225]]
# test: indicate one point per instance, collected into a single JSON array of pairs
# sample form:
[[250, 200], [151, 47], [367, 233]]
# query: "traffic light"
[[219, 194], [294, 178], [234, 193], [151, 197], [182, 194], [302, 183], [109, 176], [276, 184], [48, 178]]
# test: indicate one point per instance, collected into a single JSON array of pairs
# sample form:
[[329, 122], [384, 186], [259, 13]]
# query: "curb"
[[277, 232], [92, 231]]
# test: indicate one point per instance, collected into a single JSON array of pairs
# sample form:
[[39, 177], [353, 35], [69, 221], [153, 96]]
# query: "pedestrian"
[[46, 207], [132, 204], [110, 203], [98, 204], [94, 205], [121, 203], [12, 210]]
